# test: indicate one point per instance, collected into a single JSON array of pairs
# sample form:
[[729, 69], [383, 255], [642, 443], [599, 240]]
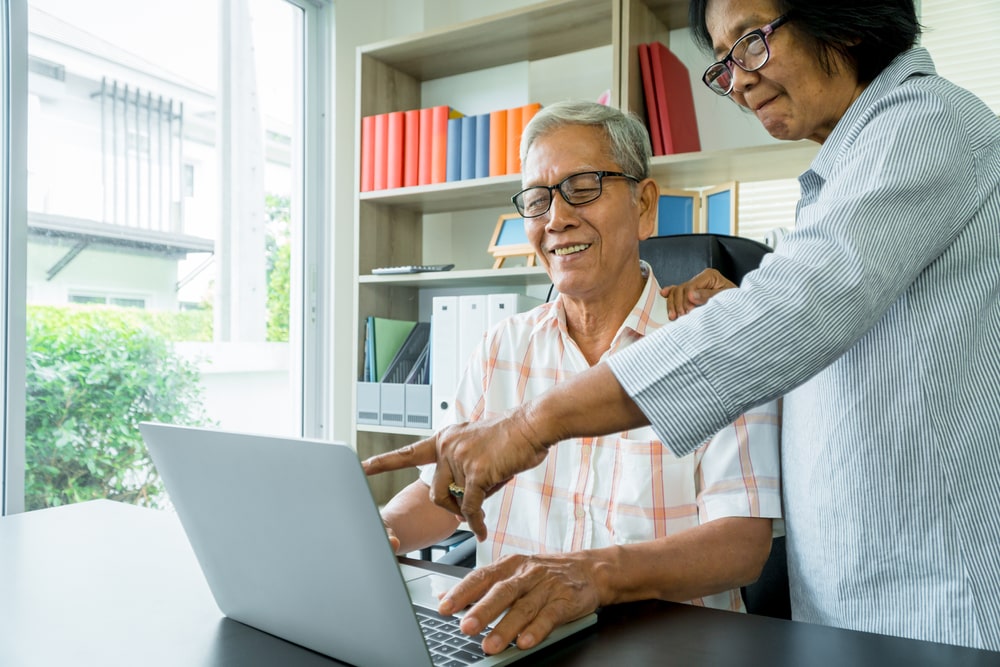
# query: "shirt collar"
[[648, 314], [913, 62]]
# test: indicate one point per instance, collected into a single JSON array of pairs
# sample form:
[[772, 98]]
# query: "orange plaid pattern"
[[617, 489]]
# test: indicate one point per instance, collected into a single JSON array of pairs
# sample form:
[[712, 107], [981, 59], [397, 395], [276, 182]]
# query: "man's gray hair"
[[628, 140]]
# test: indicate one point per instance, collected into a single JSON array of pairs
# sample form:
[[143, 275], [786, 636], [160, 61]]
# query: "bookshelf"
[[390, 224]]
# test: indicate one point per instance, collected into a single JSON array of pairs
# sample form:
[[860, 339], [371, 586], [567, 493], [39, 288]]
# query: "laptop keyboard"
[[448, 645]]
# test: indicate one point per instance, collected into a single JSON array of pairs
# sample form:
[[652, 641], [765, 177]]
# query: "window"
[[165, 229], [958, 37]]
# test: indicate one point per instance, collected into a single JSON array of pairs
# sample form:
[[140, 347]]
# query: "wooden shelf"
[[464, 195], [395, 430], [517, 276], [539, 31], [687, 170], [751, 163], [389, 225]]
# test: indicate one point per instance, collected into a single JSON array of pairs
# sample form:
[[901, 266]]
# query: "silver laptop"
[[291, 542]]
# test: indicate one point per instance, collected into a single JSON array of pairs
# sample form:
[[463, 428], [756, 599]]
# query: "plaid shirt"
[[617, 489]]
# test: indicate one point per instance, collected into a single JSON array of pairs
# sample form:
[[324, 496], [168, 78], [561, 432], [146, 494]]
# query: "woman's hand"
[[683, 298]]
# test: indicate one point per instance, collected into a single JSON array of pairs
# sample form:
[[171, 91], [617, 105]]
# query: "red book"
[[367, 153], [411, 147], [381, 168], [394, 158], [439, 141], [674, 101], [498, 143], [514, 126], [652, 117], [424, 150]]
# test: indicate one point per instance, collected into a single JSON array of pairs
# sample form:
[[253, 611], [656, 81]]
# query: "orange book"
[[424, 150], [367, 153], [439, 141], [381, 143], [394, 149], [411, 147], [514, 126], [498, 143], [528, 112]]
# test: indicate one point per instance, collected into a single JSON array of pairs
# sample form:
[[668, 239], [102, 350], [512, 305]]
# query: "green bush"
[[94, 373]]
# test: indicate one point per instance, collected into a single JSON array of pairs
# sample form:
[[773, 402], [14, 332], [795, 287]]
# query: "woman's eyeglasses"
[[749, 53]]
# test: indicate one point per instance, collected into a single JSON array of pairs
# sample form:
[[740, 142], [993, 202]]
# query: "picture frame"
[[510, 240], [721, 206], [678, 212]]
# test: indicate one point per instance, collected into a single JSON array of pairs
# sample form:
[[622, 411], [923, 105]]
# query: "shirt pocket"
[[656, 492]]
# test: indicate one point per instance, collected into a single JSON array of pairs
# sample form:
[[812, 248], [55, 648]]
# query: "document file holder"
[[392, 403], [418, 405], [369, 403]]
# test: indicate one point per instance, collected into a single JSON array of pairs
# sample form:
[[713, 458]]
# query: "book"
[[649, 96], [468, 161], [424, 150], [367, 153], [482, 145], [526, 113], [381, 170], [513, 140], [498, 142], [394, 150], [386, 337], [411, 147], [453, 162], [674, 101], [440, 115]]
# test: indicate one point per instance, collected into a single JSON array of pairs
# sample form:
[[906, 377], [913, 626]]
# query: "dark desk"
[[105, 584]]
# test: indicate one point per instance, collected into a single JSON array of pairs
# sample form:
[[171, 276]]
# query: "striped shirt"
[[619, 489], [880, 314]]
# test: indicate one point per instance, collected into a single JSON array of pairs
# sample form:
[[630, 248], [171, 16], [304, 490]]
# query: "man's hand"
[[683, 298], [477, 457], [541, 592]]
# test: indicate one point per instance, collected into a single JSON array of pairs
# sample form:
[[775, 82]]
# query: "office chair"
[[675, 259], [458, 549]]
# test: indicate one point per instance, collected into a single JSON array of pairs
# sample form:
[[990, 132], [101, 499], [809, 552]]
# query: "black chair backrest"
[[676, 259]]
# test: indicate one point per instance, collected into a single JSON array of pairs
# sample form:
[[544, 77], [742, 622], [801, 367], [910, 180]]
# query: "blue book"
[[482, 145], [468, 169], [453, 162]]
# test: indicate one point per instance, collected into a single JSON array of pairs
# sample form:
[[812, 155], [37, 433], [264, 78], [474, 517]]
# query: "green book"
[[388, 336]]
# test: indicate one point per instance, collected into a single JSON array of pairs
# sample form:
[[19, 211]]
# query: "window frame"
[[13, 249]]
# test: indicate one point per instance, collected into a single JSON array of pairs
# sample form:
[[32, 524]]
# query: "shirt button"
[[580, 513]]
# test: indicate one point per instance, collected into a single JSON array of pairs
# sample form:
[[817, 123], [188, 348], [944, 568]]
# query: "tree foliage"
[[279, 262], [94, 373]]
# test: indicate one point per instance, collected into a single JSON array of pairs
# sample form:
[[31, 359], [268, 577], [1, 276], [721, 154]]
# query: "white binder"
[[444, 356]]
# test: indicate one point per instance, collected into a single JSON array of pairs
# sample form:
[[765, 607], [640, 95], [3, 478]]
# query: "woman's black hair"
[[869, 33]]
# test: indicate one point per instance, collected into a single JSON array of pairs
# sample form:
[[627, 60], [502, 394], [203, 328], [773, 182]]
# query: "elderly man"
[[609, 519]]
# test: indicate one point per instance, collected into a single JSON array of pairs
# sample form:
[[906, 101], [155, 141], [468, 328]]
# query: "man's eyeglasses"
[[576, 189], [749, 53]]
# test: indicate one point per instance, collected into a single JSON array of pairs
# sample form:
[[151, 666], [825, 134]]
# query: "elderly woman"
[[878, 317]]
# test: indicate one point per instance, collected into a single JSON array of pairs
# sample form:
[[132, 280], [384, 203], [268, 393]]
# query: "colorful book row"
[[439, 144], [670, 115]]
